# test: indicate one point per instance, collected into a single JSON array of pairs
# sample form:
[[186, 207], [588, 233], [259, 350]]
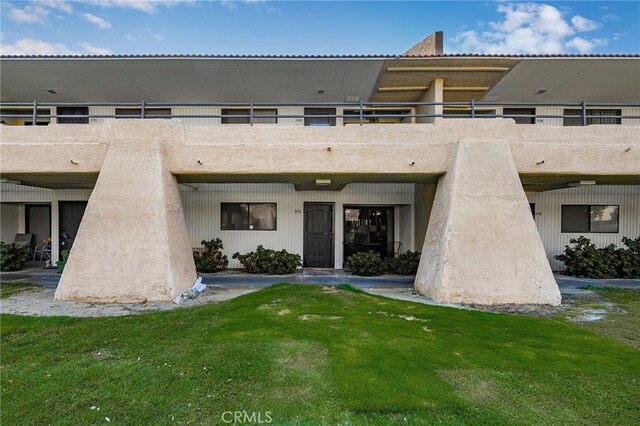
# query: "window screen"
[[594, 116], [589, 218], [248, 216], [73, 110], [258, 116], [517, 113], [148, 112], [320, 121]]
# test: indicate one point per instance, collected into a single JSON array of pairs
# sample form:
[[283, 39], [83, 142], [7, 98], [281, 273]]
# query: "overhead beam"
[[465, 89], [403, 89], [447, 69]]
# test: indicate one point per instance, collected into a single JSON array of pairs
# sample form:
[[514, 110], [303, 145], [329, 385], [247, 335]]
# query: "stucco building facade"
[[486, 164]]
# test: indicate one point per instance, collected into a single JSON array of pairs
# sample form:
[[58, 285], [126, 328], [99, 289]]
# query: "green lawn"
[[309, 355]]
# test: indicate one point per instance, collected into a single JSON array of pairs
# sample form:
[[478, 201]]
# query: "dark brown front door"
[[71, 213], [38, 223], [318, 235]]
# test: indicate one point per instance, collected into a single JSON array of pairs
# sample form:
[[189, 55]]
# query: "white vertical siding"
[[9, 221], [549, 111], [633, 112], [548, 215], [202, 212]]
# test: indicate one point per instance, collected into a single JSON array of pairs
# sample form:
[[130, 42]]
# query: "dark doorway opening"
[[368, 228], [318, 235], [70, 215], [38, 223]]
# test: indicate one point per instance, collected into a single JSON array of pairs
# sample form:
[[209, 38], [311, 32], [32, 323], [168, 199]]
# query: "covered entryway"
[[38, 223], [319, 244]]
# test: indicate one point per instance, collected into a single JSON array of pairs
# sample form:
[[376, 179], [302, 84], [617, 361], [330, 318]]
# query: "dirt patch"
[[38, 301], [314, 317], [578, 306]]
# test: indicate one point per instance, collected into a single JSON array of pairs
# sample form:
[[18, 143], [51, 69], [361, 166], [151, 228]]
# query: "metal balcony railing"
[[362, 111]]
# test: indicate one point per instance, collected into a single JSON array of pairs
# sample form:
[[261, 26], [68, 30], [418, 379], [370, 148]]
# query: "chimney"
[[430, 46]]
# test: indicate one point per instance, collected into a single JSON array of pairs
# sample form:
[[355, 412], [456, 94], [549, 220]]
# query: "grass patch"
[[355, 359], [623, 324], [8, 289]]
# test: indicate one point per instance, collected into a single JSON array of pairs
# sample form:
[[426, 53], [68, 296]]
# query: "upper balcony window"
[[148, 113], [73, 110], [260, 116], [322, 119], [24, 116], [594, 116], [518, 113]]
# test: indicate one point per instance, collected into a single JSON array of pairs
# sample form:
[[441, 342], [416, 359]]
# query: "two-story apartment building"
[[488, 164]]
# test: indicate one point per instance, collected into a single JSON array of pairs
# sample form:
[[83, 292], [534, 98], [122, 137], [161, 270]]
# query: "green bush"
[[64, 257], [270, 262], [12, 257], [583, 259], [405, 263], [211, 259], [366, 264]]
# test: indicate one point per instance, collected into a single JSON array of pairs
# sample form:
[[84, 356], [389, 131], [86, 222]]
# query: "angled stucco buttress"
[[133, 243], [482, 245]]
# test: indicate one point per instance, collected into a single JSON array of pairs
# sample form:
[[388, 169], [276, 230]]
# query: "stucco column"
[[133, 243], [433, 94], [423, 197], [482, 245]]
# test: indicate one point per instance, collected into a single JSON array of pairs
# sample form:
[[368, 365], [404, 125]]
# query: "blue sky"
[[312, 27]]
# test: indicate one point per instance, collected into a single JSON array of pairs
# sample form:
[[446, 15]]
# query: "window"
[[25, 117], [588, 218], [72, 110], [148, 112], [248, 216], [517, 113], [258, 116], [594, 116], [320, 121]]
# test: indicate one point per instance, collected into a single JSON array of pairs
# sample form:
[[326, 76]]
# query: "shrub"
[[12, 257], [583, 259], [60, 264], [211, 259], [405, 263], [366, 264], [270, 262]]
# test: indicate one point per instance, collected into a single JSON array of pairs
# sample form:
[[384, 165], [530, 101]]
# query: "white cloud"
[[62, 5], [529, 28], [30, 46], [233, 4], [583, 24], [148, 6], [29, 15], [611, 17], [98, 21], [94, 50]]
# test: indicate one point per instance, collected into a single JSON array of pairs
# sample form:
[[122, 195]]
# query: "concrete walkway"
[[231, 279]]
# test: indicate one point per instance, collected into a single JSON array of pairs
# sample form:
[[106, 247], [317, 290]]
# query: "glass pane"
[[570, 121], [262, 216], [234, 216], [270, 112], [575, 219], [235, 120], [604, 219]]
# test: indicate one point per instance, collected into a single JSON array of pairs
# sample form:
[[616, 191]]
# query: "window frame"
[[148, 113], [249, 224], [247, 111], [575, 119], [590, 212]]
